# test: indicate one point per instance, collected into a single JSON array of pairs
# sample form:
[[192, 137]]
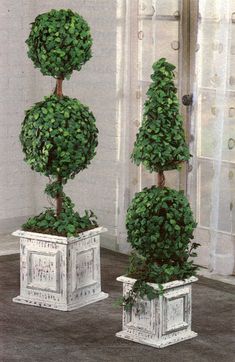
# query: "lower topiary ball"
[[59, 137], [160, 225]]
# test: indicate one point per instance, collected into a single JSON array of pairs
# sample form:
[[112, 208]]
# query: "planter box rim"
[[174, 283], [59, 239]]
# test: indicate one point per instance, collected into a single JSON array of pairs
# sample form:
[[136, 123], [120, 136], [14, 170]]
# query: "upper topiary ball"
[[59, 42], [59, 137], [160, 224], [160, 143]]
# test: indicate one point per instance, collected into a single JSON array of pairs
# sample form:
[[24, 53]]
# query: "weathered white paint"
[[59, 272], [162, 321]]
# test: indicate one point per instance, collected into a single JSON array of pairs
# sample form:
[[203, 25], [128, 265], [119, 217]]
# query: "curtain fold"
[[214, 127]]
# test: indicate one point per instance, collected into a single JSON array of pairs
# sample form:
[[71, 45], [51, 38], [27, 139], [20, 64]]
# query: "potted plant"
[[157, 289], [59, 249]]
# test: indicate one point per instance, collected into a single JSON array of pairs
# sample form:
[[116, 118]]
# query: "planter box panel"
[[176, 310], [140, 316], [136, 322], [84, 269], [43, 270], [162, 321]]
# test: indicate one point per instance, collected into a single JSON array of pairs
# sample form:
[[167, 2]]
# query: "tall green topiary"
[[159, 220], [59, 135], [160, 143]]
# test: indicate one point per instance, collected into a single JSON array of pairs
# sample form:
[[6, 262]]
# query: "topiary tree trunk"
[[161, 179], [159, 220], [59, 134], [59, 198]]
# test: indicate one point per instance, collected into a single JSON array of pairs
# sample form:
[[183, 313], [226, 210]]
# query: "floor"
[[9, 244], [88, 334], [229, 279]]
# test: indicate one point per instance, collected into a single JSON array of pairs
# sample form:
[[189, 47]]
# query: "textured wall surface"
[[21, 190], [17, 93]]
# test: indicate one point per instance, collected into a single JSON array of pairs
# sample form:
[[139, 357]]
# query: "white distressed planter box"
[[162, 321], [59, 272]]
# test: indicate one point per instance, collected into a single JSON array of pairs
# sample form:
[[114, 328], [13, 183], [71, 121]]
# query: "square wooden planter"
[[60, 272], [162, 321]]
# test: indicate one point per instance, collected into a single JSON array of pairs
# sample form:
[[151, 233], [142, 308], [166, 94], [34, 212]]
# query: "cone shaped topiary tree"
[[160, 143], [159, 220], [59, 134]]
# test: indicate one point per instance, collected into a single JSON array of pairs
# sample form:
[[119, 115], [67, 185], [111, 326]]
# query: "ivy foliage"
[[160, 143], [59, 137], [59, 42], [68, 223], [148, 271], [160, 227], [140, 290]]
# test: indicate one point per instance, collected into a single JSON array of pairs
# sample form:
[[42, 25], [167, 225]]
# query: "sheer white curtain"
[[147, 30], [151, 29], [125, 11], [214, 129]]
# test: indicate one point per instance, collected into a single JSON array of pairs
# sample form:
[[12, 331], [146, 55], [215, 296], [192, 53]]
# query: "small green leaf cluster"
[[53, 189], [153, 271], [59, 137], [59, 42], [160, 143], [68, 223], [160, 225]]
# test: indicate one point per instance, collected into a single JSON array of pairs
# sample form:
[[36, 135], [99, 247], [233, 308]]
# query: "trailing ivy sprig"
[[139, 290]]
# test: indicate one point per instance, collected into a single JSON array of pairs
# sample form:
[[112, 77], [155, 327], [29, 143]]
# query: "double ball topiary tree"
[[59, 135], [159, 220]]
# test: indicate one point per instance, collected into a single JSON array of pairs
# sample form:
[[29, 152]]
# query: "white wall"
[[17, 93], [21, 190]]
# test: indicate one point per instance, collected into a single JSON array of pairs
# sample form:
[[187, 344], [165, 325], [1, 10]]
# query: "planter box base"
[[58, 306], [159, 344]]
